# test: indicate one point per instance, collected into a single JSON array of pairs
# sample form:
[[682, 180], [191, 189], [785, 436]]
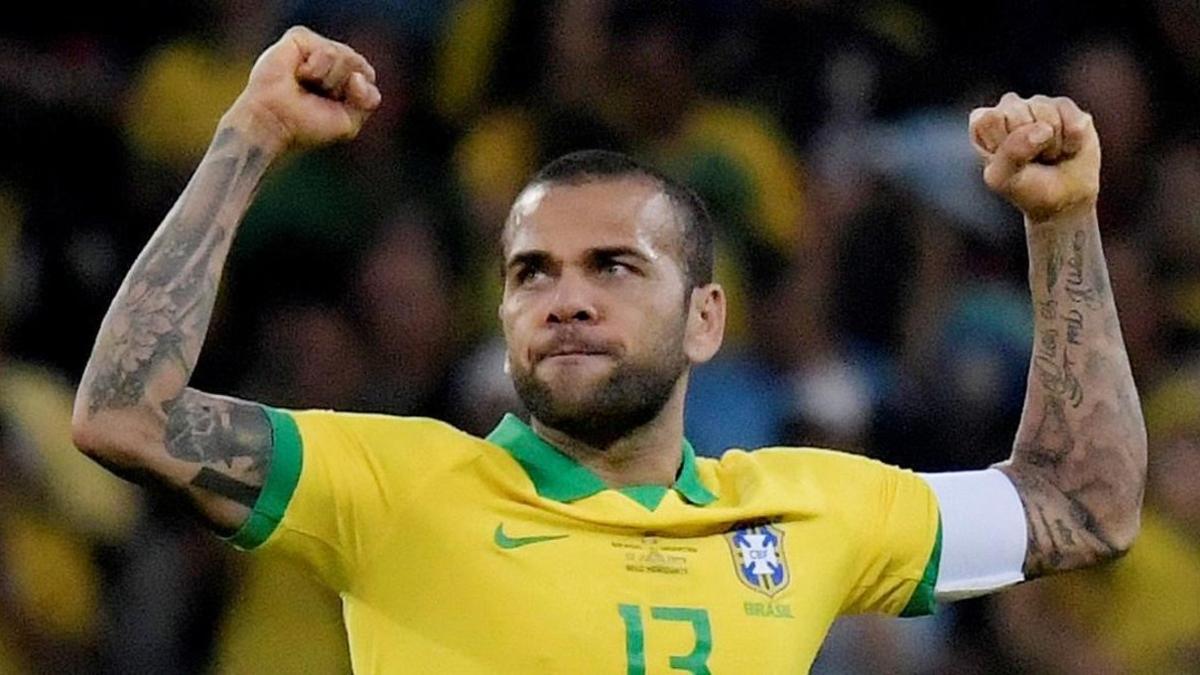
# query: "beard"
[[626, 399]]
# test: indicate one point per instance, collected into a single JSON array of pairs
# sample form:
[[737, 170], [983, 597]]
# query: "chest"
[[509, 582]]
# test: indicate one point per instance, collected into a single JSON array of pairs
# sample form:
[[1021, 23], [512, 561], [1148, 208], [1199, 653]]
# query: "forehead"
[[564, 219]]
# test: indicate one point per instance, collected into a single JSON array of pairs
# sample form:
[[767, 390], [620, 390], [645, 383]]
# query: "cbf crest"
[[759, 558]]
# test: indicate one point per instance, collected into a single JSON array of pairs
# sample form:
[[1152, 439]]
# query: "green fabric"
[[688, 483], [287, 458], [635, 639], [506, 542], [922, 601], [649, 496], [697, 661], [561, 478]]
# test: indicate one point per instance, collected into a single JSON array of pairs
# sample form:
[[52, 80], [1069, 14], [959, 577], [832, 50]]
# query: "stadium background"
[[880, 300]]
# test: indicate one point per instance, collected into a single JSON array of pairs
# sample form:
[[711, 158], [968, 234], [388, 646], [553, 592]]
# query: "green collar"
[[561, 478]]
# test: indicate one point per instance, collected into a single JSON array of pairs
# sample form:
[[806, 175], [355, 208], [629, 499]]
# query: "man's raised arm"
[[134, 412], [1079, 459]]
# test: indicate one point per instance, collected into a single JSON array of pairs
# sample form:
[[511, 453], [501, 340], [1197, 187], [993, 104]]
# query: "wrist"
[[1068, 218], [258, 127]]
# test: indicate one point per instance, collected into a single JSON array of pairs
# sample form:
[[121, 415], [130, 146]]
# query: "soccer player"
[[592, 539]]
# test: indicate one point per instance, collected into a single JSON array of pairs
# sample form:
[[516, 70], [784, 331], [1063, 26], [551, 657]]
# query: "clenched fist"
[[305, 90], [1040, 153]]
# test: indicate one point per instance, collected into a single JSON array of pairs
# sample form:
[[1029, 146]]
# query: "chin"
[[572, 375], [570, 395]]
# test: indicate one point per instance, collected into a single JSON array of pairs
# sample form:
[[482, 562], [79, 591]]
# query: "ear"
[[705, 328]]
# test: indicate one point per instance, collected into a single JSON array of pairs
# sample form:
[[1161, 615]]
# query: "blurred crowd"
[[879, 295]]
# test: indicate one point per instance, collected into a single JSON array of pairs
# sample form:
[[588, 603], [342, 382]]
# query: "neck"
[[648, 455]]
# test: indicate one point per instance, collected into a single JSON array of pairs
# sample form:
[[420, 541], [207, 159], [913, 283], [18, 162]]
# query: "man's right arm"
[[134, 412]]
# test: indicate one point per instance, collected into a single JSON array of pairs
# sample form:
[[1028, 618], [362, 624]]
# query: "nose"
[[572, 302]]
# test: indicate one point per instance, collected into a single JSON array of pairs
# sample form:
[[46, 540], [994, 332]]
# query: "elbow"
[[1122, 537], [112, 443], [1130, 517], [109, 438], [90, 436], [85, 432], [1125, 521]]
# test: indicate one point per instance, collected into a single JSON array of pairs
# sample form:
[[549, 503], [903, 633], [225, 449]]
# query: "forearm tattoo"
[[1079, 457], [152, 336]]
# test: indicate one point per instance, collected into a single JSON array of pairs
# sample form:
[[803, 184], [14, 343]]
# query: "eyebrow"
[[610, 252], [529, 259], [538, 258]]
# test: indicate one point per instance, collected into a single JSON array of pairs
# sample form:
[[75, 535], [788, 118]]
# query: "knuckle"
[[992, 177], [990, 118], [1017, 115], [1045, 112]]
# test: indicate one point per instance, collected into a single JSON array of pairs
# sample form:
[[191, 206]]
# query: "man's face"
[[595, 308]]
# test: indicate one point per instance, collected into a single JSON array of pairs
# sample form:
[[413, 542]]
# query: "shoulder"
[[377, 423], [385, 437], [796, 461], [819, 476]]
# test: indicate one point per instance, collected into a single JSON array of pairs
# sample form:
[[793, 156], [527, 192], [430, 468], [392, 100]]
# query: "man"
[[593, 539]]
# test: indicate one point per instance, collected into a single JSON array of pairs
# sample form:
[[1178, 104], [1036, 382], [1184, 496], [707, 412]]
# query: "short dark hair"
[[695, 223]]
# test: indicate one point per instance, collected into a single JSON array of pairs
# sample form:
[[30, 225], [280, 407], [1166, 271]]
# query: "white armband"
[[983, 533]]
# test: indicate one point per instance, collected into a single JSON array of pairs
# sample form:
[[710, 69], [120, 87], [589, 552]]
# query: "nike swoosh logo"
[[505, 541]]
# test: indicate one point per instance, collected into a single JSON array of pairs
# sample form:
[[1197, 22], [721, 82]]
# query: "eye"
[[613, 268], [528, 274]]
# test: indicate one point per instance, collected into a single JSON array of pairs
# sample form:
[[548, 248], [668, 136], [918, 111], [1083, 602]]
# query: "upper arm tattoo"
[[231, 440]]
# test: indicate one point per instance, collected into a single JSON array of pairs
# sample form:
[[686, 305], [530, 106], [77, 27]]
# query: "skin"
[[1079, 457], [133, 411], [593, 281], [595, 267]]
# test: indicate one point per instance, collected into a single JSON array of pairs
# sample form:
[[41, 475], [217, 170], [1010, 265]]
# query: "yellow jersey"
[[458, 554]]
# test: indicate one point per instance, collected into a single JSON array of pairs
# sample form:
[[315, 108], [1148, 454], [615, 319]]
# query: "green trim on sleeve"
[[287, 458], [922, 601]]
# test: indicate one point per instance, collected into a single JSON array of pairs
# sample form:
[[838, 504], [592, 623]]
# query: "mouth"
[[568, 353], [578, 354]]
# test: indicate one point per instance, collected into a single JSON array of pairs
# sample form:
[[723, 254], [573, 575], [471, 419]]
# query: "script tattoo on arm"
[[1080, 453], [152, 336]]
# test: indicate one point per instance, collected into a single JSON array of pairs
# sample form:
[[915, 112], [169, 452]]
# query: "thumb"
[[361, 94], [1020, 148]]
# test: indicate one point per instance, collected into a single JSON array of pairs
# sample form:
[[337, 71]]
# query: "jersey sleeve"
[[983, 533], [337, 482], [895, 530]]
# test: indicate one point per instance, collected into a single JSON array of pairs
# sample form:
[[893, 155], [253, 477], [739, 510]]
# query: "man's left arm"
[[1079, 458]]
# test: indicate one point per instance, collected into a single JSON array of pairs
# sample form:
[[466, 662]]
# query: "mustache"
[[573, 341]]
